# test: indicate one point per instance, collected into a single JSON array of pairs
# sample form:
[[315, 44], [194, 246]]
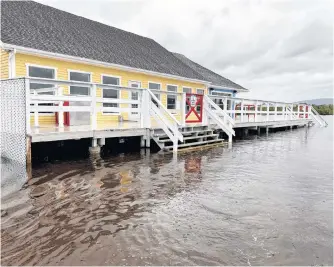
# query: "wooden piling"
[[28, 158]]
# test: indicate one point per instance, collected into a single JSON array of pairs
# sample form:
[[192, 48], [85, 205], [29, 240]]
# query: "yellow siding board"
[[4, 70]]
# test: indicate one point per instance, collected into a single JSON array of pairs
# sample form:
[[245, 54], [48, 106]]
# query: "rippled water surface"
[[268, 200]]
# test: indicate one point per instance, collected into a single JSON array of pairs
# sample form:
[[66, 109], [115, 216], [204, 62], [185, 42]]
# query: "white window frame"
[[42, 67], [160, 84], [159, 95], [201, 90], [177, 88], [80, 71], [187, 87], [130, 96], [118, 92]]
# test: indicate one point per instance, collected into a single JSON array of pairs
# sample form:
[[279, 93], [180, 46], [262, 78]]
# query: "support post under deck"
[[28, 158]]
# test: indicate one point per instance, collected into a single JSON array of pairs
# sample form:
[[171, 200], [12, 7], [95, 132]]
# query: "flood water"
[[268, 200]]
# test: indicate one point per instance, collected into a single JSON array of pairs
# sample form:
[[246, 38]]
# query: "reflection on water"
[[265, 201]]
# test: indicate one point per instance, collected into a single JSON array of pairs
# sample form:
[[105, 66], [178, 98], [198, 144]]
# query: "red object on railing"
[[247, 109], [194, 101], [66, 115], [301, 109]]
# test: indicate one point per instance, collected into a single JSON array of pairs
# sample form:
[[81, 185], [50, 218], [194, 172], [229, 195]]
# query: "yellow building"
[[43, 42]]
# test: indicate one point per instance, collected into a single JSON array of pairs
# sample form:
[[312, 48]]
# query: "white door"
[[134, 96]]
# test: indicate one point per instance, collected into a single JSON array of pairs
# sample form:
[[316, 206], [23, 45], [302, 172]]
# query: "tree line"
[[324, 109]]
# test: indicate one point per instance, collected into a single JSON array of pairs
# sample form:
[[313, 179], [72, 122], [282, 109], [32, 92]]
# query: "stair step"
[[188, 138], [195, 143], [183, 133]]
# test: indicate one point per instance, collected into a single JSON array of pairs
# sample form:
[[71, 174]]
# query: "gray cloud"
[[280, 50]]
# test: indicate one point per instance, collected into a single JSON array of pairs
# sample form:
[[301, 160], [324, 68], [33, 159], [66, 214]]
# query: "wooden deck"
[[47, 133]]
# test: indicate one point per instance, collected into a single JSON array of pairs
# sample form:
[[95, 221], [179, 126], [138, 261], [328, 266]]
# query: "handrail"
[[163, 107], [253, 100], [294, 115], [169, 127], [213, 115], [221, 111], [317, 116]]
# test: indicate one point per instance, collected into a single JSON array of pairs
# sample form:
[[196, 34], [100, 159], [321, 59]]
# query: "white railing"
[[224, 111], [146, 106], [164, 119], [318, 118], [219, 117], [243, 110]]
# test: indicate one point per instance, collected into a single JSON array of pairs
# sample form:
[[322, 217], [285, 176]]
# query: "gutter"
[[11, 63], [229, 88], [41, 53]]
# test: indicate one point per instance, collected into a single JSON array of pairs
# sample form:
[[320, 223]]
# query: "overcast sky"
[[280, 50]]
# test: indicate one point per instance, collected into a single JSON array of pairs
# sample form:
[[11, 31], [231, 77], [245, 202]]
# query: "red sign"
[[195, 104]]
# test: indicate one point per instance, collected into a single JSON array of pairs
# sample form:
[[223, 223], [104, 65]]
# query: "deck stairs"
[[193, 136], [171, 134]]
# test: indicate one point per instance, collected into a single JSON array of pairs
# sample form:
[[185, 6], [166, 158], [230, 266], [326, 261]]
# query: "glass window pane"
[[171, 88], [200, 91], [41, 72], [40, 86], [79, 90], [154, 86], [171, 101], [110, 80], [110, 93], [78, 76], [186, 90]]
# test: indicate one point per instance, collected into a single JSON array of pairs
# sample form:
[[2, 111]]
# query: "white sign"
[[193, 100]]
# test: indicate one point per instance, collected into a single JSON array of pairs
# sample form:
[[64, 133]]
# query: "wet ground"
[[268, 200]]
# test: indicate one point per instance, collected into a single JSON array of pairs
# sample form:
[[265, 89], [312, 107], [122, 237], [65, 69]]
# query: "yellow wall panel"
[[4, 69]]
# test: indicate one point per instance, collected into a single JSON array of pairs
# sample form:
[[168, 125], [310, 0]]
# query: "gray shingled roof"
[[34, 25], [209, 75]]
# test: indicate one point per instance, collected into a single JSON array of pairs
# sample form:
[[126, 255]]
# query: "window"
[[220, 101], [81, 77], [171, 99], [45, 73], [187, 90], [200, 91], [155, 86], [110, 93], [134, 95], [41, 72]]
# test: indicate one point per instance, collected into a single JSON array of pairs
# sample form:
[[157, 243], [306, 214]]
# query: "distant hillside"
[[319, 101]]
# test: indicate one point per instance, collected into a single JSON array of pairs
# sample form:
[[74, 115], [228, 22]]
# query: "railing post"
[[94, 107], [27, 93], [267, 111], [291, 113], [61, 111], [36, 122], [205, 104], [255, 114], [304, 111], [275, 114], [242, 110], [283, 111], [183, 109], [146, 109]]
